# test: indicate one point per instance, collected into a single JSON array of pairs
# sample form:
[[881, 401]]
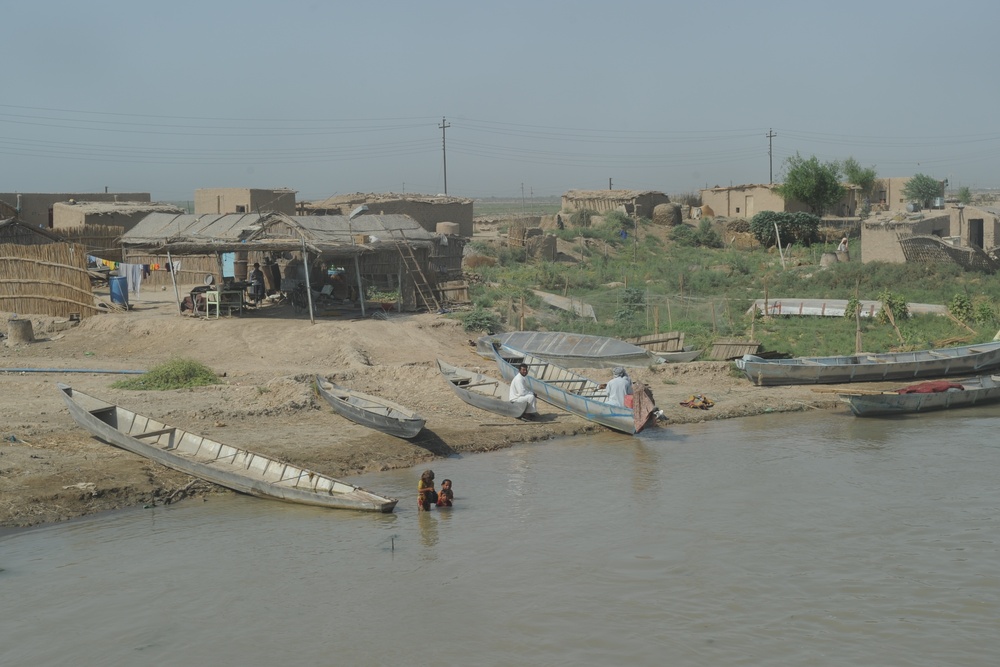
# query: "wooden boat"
[[979, 390], [572, 392], [371, 411], [231, 467], [922, 364], [481, 391], [570, 349], [679, 356]]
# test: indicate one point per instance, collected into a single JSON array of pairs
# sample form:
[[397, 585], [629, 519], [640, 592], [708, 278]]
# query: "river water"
[[807, 539]]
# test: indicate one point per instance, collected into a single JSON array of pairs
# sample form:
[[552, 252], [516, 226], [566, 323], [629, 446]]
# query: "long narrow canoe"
[[572, 392], [481, 391], [370, 411], [925, 397], [571, 349], [922, 364], [198, 456]]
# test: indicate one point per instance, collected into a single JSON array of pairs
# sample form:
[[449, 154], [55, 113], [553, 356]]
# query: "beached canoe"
[[198, 456], [679, 356], [570, 349], [481, 391], [370, 411], [925, 397], [919, 365], [575, 393]]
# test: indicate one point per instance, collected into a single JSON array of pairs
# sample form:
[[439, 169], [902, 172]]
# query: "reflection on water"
[[802, 539]]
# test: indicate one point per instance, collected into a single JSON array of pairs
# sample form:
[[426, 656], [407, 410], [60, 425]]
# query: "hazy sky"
[[540, 97]]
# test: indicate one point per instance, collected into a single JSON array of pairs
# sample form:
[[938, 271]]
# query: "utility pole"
[[770, 162], [609, 185], [522, 199], [444, 152]]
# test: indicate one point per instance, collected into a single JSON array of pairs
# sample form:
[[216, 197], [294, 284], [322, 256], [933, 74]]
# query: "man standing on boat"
[[521, 393]]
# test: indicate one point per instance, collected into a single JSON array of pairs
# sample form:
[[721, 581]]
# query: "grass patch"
[[173, 374]]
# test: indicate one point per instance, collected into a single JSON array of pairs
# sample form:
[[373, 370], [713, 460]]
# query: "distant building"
[[427, 210], [119, 214], [745, 201], [958, 226], [630, 202], [244, 200], [37, 208]]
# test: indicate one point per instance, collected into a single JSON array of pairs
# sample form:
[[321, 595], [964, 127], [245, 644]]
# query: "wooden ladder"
[[423, 288]]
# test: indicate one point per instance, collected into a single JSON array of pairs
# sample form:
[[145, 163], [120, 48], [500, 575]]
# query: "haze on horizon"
[[538, 97]]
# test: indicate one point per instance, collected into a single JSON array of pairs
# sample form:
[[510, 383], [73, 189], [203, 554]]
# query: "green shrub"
[[582, 217], [799, 227], [480, 319], [961, 308], [173, 374], [894, 303]]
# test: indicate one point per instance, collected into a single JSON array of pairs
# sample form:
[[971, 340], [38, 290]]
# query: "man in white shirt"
[[520, 393]]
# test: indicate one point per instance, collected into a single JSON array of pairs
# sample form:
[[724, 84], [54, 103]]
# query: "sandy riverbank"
[[52, 470]]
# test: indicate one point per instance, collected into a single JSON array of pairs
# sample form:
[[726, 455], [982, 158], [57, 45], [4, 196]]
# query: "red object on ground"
[[628, 400], [929, 387]]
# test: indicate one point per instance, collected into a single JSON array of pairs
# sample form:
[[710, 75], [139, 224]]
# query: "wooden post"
[[173, 279], [670, 320], [656, 319], [522, 314], [778, 237], [711, 305], [753, 321]]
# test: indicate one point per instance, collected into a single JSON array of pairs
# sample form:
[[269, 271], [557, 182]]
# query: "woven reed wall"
[[45, 280], [99, 240]]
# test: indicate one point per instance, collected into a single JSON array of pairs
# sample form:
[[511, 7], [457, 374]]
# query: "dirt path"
[[52, 470]]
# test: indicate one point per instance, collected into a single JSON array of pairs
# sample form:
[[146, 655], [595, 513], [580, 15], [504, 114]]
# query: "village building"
[[123, 214], [963, 234], [244, 200], [429, 211], [745, 201], [38, 208], [631, 202]]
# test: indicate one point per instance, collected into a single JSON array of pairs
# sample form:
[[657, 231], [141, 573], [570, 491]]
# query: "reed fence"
[[46, 280]]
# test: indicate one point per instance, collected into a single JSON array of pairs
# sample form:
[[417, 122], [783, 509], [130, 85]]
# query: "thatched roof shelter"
[[330, 235]]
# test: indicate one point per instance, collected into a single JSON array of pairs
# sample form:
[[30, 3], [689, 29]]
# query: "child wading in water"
[[446, 496], [426, 495]]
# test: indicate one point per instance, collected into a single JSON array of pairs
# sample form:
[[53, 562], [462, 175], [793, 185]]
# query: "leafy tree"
[[815, 185], [922, 188], [965, 195], [863, 177]]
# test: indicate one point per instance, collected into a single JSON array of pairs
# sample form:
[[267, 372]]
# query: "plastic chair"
[[211, 299]]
